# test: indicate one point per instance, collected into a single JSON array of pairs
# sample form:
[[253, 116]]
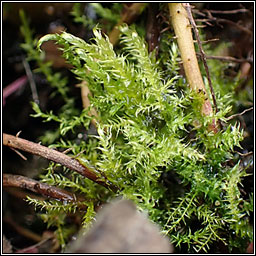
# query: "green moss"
[[145, 131]]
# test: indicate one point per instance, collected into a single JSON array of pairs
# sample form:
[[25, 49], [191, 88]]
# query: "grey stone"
[[120, 228]]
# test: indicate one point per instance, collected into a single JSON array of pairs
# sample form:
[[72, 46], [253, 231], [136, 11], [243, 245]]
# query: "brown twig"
[[205, 21], [228, 59], [85, 93], [56, 156], [220, 20], [21, 194], [229, 11], [203, 56], [239, 114], [44, 246], [210, 40], [246, 30], [38, 248], [10, 180], [21, 230], [18, 153], [244, 154]]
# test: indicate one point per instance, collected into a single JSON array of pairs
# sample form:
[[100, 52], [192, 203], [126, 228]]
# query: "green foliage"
[[55, 215], [144, 132], [55, 79], [79, 17], [110, 16]]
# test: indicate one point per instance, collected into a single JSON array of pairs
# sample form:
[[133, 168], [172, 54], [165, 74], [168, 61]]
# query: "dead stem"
[[239, 114], [227, 58], [245, 154], [21, 230], [10, 180], [203, 56], [182, 29], [56, 156], [85, 93], [220, 20], [229, 11], [21, 194]]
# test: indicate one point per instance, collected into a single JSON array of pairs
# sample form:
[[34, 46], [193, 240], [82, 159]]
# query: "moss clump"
[[146, 144]]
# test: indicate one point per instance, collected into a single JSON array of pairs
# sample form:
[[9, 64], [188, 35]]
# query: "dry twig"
[[21, 194], [239, 114], [85, 93], [203, 56], [56, 156], [183, 32], [229, 11], [21, 230], [10, 180], [244, 154], [220, 20], [228, 59]]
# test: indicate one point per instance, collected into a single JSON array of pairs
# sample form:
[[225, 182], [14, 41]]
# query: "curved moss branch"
[[183, 32]]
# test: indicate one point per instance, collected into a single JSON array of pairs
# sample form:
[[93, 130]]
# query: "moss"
[[145, 130]]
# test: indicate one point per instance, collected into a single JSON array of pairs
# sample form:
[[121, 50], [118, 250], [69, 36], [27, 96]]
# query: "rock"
[[7, 247], [120, 228]]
